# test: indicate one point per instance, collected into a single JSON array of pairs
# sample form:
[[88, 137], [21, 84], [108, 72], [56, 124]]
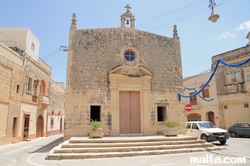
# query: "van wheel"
[[233, 134], [204, 137], [223, 142]]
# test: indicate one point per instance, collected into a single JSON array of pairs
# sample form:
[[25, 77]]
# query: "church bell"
[[127, 22]]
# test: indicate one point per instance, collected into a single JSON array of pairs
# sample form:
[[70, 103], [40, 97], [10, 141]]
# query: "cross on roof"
[[128, 7]]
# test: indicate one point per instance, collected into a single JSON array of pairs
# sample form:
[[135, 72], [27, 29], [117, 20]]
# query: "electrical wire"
[[185, 17], [53, 52], [179, 20], [169, 13]]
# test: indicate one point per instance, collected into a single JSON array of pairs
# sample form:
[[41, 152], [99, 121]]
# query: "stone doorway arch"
[[39, 126], [130, 89], [194, 117]]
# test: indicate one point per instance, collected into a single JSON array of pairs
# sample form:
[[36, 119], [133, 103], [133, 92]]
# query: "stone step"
[[130, 149], [128, 139], [84, 147], [59, 156], [127, 144]]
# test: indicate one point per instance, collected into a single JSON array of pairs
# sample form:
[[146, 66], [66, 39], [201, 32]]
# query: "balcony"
[[234, 88], [43, 102]]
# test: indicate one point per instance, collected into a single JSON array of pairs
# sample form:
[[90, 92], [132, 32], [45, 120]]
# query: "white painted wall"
[[21, 38]]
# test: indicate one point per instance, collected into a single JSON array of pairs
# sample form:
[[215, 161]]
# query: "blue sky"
[[201, 39]]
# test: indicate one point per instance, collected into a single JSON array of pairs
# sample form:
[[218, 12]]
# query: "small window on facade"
[[51, 122], [17, 88], [95, 113], [205, 93], [193, 100], [246, 105], [247, 77], [161, 114], [129, 56], [30, 84], [32, 46], [225, 106]]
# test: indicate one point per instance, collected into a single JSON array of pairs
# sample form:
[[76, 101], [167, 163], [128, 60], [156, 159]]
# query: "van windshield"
[[205, 125]]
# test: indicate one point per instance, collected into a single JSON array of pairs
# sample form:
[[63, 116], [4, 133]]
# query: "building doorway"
[[26, 127], [211, 117], [39, 127], [14, 126], [60, 125], [129, 107], [95, 113]]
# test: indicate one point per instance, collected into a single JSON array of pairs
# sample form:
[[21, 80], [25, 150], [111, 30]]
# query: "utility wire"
[[169, 13], [53, 52], [186, 17], [179, 20]]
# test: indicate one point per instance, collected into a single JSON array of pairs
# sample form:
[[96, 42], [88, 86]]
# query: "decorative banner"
[[210, 78]]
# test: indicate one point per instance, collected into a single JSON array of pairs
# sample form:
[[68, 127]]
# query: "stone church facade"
[[126, 78]]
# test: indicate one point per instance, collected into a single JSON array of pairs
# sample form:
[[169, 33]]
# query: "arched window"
[[43, 87]]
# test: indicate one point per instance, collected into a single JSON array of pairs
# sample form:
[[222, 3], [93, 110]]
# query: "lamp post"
[[213, 17]]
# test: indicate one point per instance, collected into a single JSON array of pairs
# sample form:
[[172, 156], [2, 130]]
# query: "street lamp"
[[213, 17]]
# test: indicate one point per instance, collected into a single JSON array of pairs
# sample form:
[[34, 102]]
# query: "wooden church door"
[[129, 112]]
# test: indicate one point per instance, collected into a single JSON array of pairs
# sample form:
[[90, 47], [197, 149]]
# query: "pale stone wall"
[[102, 53], [235, 111], [12, 56], [10, 78], [95, 78], [233, 56], [36, 71], [56, 124], [4, 107], [232, 97], [57, 100], [5, 78], [203, 107]]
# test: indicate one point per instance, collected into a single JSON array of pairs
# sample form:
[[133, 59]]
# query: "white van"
[[207, 131]]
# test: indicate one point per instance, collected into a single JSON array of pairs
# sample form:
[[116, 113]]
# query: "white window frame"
[[233, 76], [32, 46]]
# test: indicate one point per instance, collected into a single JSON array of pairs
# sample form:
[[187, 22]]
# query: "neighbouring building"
[[56, 108], [204, 105], [229, 88], [26, 87], [233, 86], [126, 78], [11, 72]]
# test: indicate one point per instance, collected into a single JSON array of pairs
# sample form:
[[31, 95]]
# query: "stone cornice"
[[232, 55]]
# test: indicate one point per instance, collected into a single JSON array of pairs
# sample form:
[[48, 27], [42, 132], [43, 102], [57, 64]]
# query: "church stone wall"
[[94, 53], [97, 51]]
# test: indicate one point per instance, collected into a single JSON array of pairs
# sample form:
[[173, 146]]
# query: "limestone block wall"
[[10, 90], [97, 51], [234, 57], [92, 56]]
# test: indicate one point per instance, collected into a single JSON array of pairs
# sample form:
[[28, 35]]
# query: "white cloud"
[[244, 25], [225, 35]]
